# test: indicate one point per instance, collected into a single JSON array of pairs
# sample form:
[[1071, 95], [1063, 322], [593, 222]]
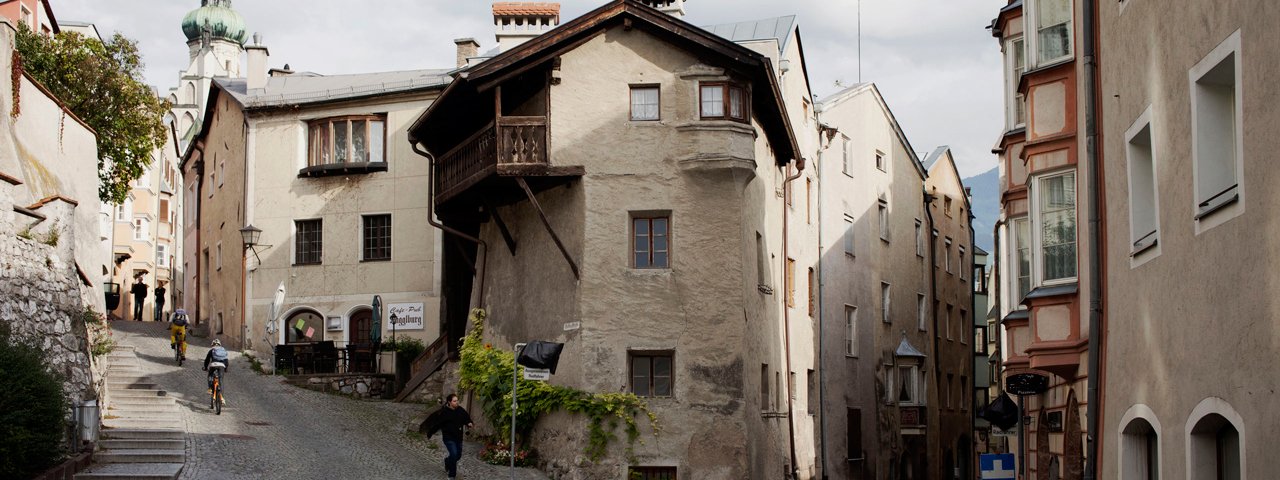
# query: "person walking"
[[450, 420], [139, 292], [160, 291]]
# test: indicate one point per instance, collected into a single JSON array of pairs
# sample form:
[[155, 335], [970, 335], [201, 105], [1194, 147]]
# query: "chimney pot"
[[467, 48]]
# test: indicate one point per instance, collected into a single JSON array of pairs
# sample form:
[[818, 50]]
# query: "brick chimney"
[[674, 8], [467, 48], [517, 22], [258, 55]]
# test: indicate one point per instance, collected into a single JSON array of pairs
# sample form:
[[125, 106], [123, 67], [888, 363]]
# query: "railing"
[[426, 364], [508, 141]]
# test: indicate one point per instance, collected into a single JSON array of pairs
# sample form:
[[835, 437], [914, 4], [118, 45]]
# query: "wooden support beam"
[[502, 226], [543, 215]]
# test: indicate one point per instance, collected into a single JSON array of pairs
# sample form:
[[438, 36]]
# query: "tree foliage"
[[102, 84], [32, 409]]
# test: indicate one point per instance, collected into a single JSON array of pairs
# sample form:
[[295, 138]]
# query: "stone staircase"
[[142, 433]]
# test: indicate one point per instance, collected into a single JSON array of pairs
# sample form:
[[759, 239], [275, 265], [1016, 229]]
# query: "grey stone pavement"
[[269, 429]]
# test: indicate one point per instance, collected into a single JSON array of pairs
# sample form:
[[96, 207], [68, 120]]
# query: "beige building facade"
[[1187, 135]]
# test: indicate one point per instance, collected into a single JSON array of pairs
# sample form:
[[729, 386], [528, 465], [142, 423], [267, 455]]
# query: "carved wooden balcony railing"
[[507, 146]]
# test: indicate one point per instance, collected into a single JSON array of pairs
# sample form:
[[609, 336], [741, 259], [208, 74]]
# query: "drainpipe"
[[995, 300], [786, 321], [973, 316], [933, 295], [199, 168], [1095, 232], [822, 369], [431, 212]]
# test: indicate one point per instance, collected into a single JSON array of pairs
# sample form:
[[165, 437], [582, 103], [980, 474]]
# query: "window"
[[850, 331], [376, 237], [847, 151], [881, 163], [219, 256], [651, 473], [213, 176], [791, 282], [207, 266], [921, 313], [813, 293], [908, 385], [946, 205], [964, 389], [356, 139], [1140, 451], [651, 237], [853, 433], [811, 381], [808, 200], [122, 213], [645, 101], [947, 389], [726, 101], [162, 255], [960, 265], [1215, 450], [651, 374], [936, 258], [1015, 65], [937, 310], [1052, 22], [946, 254], [765, 398], [222, 172], [1216, 128], [762, 263], [1022, 257], [884, 219], [884, 303], [963, 324], [777, 389], [848, 235], [1056, 210], [791, 386], [919, 239], [26, 16], [140, 229], [946, 325], [307, 245], [164, 210], [1144, 222]]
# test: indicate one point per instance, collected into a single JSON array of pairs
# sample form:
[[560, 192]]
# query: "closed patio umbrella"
[[375, 331]]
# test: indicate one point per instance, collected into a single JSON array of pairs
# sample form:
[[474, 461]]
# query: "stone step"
[[141, 444], [132, 377], [132, 385], [140, 456], [160, 424], [131, 471], [142, 434], [133, 393], [130, 403], [130, 414], [143, 408]]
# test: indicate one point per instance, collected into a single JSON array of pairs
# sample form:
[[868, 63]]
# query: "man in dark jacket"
[[450, 420], [159, 309], [139, 292]]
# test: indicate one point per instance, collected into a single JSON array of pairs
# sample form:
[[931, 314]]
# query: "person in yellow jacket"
[[178, 331]]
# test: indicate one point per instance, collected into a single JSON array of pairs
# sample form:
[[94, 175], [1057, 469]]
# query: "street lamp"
[[249, 236], [393, 328]]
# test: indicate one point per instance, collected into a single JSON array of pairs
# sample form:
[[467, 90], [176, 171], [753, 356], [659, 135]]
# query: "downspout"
[[973, 317], [1095, 232], [995, 300], [933, 294], [431, 219], [199, 168], [822, 370], [786, 320]]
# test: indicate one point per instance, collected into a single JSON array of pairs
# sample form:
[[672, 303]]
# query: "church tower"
[[216, 35]]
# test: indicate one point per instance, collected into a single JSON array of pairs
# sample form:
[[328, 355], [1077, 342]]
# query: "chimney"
[[467, 48], [258, 54], [517, 22], [674, 8]]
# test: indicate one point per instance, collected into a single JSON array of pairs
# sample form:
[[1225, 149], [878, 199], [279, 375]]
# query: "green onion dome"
[[218, 17]]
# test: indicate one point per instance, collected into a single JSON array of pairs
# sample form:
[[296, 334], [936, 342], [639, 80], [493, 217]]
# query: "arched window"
[[189, 94], [1140, 451], [1214, 449], [303, 326], [187, 121]]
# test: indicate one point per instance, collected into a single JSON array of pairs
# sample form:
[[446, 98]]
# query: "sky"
[[934, 61]]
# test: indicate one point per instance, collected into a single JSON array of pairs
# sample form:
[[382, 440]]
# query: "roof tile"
[[526, 8]]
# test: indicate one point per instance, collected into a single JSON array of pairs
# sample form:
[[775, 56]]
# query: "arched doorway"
[[360, 325], [303, 326]]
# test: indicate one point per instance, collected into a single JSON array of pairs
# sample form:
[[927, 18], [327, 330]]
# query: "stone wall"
[[361, 386], [40, 300]]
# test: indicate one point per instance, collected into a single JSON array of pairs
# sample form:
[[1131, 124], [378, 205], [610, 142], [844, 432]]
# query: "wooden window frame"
[[670, 355], [725, 113], [365, 238], [314, 156], [650, 216], [298, 242], [632, 103]]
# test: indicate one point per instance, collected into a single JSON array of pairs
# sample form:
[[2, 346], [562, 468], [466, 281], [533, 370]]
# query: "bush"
[[408, 347], [32, 410], [498, 452]]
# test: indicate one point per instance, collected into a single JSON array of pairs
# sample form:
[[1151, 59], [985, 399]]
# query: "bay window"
[[1055, 209], [1051, 20], [1015, 65], [1022, 258], [353, 139], [724, 101]]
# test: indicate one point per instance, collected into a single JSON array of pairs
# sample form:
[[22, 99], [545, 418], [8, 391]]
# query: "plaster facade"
[[1188, 360]]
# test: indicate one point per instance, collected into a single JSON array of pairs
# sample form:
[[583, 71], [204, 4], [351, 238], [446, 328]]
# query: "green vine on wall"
[[486, 371]]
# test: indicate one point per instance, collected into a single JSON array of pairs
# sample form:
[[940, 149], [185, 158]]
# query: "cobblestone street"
[[269, 429]]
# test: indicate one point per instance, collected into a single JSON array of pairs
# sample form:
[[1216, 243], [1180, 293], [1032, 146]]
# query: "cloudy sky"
[[934, 61]]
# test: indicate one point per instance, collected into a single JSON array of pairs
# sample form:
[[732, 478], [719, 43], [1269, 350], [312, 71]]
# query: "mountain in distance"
[[985, 201]]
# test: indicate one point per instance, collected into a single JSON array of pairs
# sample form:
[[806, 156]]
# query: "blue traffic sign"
[[997, 466]]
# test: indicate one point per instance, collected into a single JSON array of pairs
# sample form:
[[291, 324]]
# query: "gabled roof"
[[767, 102], [307, 88], [842, 96], [945, 151]]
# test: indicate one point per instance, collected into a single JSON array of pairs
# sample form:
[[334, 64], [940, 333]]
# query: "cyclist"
[[215, 361], [178, 329]]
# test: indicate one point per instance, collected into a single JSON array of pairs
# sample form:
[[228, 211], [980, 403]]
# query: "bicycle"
[[180, 347], [215, 393]]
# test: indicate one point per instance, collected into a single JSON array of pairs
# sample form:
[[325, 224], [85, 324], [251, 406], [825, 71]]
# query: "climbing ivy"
[[486, 371]]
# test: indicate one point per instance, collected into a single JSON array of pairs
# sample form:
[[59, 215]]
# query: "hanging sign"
[[407, 316]]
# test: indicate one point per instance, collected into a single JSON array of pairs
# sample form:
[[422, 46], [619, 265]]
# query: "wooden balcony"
[[913, 419], [506, 147]]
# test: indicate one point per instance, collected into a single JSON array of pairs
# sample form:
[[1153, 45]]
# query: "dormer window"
[[342, 145], [724, 101]]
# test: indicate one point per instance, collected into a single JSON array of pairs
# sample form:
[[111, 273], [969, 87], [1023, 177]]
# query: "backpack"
[[180, 320], [219, 354]]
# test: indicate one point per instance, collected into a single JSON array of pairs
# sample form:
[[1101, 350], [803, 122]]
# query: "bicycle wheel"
[[177, 351], [217, 398], [213, 392]]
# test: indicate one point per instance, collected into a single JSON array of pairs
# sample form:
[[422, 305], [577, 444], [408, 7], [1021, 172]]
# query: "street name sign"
[[537, 373]]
